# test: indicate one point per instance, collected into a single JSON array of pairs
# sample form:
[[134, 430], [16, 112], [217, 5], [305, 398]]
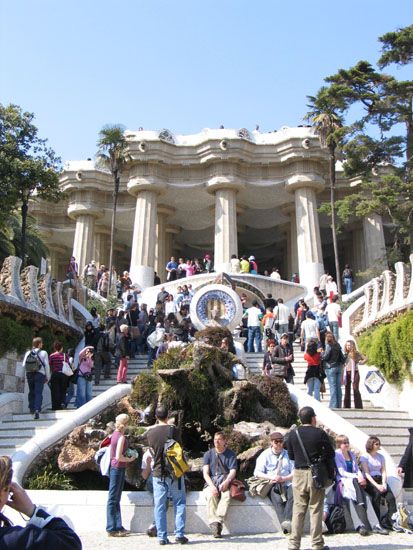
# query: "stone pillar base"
[[310, 272], [223, 267], [142, 275]]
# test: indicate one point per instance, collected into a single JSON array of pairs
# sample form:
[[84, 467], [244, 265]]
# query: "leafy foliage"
[[277, 393], [397, 47], [145, 390], [49, 478], [389, 347]]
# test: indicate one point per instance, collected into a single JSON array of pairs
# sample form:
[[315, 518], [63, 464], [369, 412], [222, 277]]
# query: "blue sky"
[[183, 65]]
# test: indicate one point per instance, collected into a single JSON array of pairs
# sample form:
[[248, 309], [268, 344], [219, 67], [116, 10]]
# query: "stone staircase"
[[389, 426], [16, 429]]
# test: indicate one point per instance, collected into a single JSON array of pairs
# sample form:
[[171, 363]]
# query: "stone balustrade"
[[384, 296]]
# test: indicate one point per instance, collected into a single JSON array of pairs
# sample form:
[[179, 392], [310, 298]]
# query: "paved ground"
[[347, 541]]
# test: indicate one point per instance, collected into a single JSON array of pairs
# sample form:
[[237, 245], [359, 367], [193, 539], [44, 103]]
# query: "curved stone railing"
[[382, 297], [42, 296]]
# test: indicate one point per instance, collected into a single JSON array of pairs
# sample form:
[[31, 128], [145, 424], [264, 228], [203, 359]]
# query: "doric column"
[[55, 257], [226, 239], [374, 244], [144, 230], [310, 257], [161, 257], [85, 213], [292, 252], [101, 246]]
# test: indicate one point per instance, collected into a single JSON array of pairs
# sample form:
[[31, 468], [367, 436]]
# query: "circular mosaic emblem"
[[216, 305]]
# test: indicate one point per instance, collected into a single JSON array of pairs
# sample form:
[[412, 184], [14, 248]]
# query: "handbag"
[[66, 368], [259, 487], [319, 471], [237, 490]]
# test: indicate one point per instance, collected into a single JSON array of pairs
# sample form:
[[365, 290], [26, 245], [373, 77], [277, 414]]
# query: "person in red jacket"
[[314, 374]]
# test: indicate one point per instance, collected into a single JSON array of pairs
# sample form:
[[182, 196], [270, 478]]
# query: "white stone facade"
[[220, 192]]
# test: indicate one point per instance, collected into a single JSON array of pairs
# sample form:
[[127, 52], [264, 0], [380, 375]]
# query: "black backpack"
[[336, 521], [33, 362]]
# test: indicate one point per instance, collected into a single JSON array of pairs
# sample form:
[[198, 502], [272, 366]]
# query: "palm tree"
[[111, 154], [324, 116], [11, 240]]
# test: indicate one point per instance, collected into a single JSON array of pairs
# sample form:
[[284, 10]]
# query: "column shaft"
[[144, 239], [310, 258], [160, 248], [226, 241], [374, 244], [292, 252], [83, 242], [101, 249]]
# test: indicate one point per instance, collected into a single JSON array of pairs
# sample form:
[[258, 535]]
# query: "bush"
[[49, 478], [14, 336], [389, 347], [145, 390]]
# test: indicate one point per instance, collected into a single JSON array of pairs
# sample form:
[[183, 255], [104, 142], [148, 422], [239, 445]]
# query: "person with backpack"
[[36, 365], [219, 469], [348, 279], [122, 353], [165, 483], [118, 462]]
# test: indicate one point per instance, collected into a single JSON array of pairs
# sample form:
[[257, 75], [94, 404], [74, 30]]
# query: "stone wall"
[[11, 373]]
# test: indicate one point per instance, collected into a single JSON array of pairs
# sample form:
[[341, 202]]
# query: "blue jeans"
[[313, 385], [334, 329], [35, 381], [348, 283], [113, 513], [175, 489], [84, 391], [70, 393], [334, 381], [254, 333]]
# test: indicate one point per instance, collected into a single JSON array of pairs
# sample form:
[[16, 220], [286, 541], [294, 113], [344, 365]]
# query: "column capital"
[[310, 180], [76, 209], [101, 230], [138, 184], [224, 182], [166, 210]]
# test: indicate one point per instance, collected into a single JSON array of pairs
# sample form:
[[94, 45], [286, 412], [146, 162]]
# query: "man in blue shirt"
[[275, 465], [171, 268], [220, 468]]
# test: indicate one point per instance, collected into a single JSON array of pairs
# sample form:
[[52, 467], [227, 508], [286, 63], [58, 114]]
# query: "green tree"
[[111, 154], [30, 168], [326, 117], [397, 47]]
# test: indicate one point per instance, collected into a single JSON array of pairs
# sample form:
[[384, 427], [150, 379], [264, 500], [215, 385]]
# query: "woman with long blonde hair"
[[42, 530], [351, 375]]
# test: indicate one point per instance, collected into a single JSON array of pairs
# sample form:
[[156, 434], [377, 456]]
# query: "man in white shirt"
[[281, 313], [333, 312], [275, 274], [254, 316], [36, 365], [275, 465]]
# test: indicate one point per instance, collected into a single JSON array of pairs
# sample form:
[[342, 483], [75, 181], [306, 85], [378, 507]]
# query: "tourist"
[[351, 375], [373, 466], [190, 268], [253, 265], [122, 352], [72, 272], [181, 270], [235, 264], [103, 285], [306, 496], [165, 486], [351, 484], [162, 295], [103, 356], [42, 529], [323, 282], [84, 376], [266, 273], [72, 385], [90, 274], [170, 269], [146, 473], [405, 467], [219, 469], [58, 380], [333, 312], [314, 374], [348, 279], [269, 301], [253, 316], [283, 356], [267, 322], [208, 267], [90, 334], [118, 462], [275, 274], [267, 360], [170, 306], [36, 366], [156, 279], [198, 267], [281, 313], [101, 271], [333, 360], [126, 280], [275, 465], [153, 341], [95, 317], [309, 330], [331, 288], [245, 265], [295, 278]]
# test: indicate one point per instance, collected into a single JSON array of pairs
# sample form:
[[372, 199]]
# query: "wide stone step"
[[373, 414], [8, 443]]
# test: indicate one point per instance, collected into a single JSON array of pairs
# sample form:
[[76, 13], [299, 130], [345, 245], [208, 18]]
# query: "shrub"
[[14, 336], [49, 478], [277, 393], [145, 390], [389, 347]]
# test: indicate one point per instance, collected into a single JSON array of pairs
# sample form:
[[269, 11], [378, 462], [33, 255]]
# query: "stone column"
[[144, 230], [226, 239], [101, 246], [161, 252], [292, 252], [85, 213], [55, 258], [310, 258], [374, 244]]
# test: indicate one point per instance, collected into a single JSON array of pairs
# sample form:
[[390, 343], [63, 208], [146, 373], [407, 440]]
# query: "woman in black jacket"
[[42, 530]]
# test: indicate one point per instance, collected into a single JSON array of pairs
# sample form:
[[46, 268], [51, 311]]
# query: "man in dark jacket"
[[318, 448], [406, 463]]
